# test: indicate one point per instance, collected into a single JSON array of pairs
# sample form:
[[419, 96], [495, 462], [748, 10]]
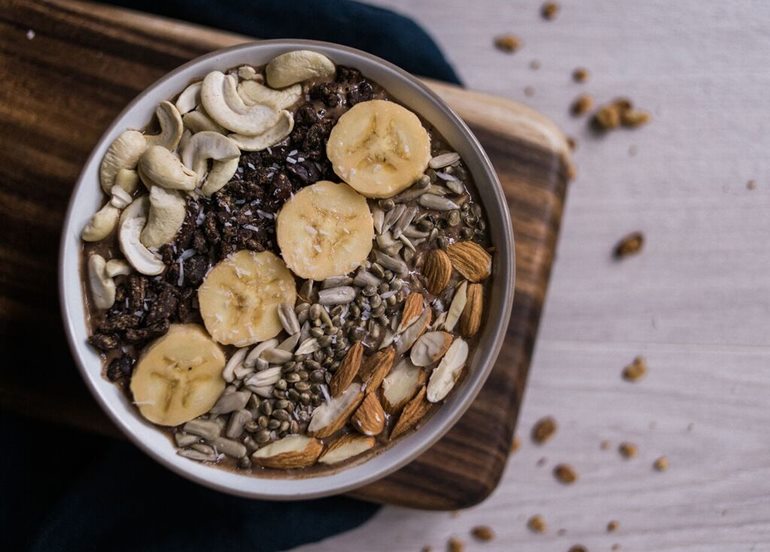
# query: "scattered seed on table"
[[529, 91], [483, 533], [540, 463], [564, 473], [636, 370], [543, 429], [604, 445], [632, 150], [612, 526], [534, 65], [580, 74], [572, 143], [577, 548], [629, 245], [515, 444], [427, 548], [582, 105], [751, 184], [628, 450], [660, 464], [455, 545], [549, 10], [615, 547], [537, 524], [507, 43]]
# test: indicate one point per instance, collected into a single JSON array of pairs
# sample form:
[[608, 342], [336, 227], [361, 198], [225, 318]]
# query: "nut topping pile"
[[290, 272]]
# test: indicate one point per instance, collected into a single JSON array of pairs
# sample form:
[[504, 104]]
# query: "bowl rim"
[[504, 269]]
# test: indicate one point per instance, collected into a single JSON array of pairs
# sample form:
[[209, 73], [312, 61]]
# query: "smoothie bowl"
[[286, 269]]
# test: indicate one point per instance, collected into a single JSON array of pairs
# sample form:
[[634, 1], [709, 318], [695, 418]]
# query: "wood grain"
[[96, 59]]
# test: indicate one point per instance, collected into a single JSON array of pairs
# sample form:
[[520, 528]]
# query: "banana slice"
[[240, 296], [378, 147], [179, 376], [325, 230]]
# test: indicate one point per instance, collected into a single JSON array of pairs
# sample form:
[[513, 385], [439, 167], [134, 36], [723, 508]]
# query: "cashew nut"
[[268, 138], [102, 286], [253, 93], [247, 72], [198, 121], [161, 167], [127, 179], [123, 153], [223, 104], [297, 66], [167, 212], [102, 223], [132, 222], [219, 175], [223, 152], [170, 127], [117, 267], [189, 99], [120, 197]]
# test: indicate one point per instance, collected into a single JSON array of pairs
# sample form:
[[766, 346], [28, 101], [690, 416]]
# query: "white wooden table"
[[696, 302]]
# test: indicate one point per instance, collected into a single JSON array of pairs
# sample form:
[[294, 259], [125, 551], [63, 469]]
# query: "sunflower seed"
[[438, 190], [308, 346], [306, 290], [444, 160], [203, 428], [235, 361], [262, 380], [366, 278], [407, 242], [337, 296], [394, 264], [415, 191], [403, 221], [185, 439], [315, 312], [196, 455], [391, 217], [412, 232], [378, 217], [277, 356], [236, 424], [288, 318], [231, 448], [230, 402], [316, 332], [456, 186], [431, 201], [256, 352]]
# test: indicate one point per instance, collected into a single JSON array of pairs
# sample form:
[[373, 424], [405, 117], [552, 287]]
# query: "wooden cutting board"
[[67, 69]]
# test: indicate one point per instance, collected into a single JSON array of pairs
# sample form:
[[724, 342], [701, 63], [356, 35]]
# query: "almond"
[[430, 347], [369, 419], [412, 310], [413, 412], [346, 447], [294, 451], [410, 335], [443, 378], [457, 306], [437, 270], [348, 369], [376, 368], [470, 319], [329, 418], [401, 385], [471, 260]]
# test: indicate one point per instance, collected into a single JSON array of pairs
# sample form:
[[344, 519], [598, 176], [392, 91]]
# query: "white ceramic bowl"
[[87, 197]]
